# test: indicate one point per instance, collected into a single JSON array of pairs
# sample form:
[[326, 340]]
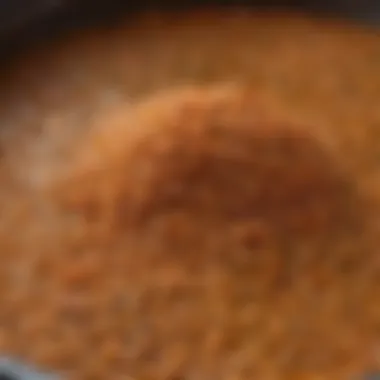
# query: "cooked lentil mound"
[[194, 196]]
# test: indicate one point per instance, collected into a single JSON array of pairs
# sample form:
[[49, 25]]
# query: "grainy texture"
[[98, 135]]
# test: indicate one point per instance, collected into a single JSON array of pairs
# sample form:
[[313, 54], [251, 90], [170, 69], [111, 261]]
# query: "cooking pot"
[[27, 15]]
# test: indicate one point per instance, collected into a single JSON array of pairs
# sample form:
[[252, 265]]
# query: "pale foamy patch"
[[37, 151]]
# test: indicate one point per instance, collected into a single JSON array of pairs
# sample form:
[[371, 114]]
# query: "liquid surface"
[[90, 306]]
